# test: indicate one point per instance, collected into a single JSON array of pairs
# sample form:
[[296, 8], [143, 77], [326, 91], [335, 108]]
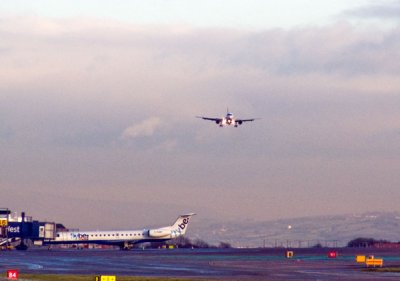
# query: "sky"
[[98, 102]]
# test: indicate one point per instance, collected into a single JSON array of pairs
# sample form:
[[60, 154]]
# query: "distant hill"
[[331, 231]]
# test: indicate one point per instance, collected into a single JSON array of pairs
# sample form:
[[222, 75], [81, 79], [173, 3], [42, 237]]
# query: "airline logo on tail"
[[184, 223], [180, 226]]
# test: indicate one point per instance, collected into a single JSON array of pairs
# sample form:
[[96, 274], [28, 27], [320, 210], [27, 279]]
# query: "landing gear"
[[126, 246]]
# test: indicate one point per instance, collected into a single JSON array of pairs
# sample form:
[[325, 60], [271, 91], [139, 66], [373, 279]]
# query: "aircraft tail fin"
[[181, 224]]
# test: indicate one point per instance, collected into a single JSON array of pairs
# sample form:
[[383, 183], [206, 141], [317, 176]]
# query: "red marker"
[[12, 274], [332, 255]]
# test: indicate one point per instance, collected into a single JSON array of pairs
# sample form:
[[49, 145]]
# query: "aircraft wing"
[[210, 119], [245, 120]]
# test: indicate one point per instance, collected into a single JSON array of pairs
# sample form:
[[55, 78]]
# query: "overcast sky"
[[98, 102]]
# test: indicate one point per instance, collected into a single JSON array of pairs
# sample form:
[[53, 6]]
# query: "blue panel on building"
[[29, 230], [14, 229], [18, 229]]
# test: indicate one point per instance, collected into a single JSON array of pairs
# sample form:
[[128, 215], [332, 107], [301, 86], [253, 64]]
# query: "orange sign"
[[3, 222]]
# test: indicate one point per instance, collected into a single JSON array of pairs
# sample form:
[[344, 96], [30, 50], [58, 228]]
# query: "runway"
[[229, 264]]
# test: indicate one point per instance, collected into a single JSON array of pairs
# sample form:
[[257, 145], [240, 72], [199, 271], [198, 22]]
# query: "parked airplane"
[[124, 239], [228, 120]]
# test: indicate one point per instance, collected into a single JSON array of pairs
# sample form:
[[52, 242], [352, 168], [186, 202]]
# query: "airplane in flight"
[[124, 239], [228, 120]]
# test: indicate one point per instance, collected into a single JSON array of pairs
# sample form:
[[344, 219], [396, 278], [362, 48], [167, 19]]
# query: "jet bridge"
[[23, 230]]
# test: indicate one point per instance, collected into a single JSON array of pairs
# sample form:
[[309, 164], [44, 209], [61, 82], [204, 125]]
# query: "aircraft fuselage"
[[123, 238]]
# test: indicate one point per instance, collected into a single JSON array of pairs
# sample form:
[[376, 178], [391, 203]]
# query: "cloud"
[[384, 10], [146, 128]]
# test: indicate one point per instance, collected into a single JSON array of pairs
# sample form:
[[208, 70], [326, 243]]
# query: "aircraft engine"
[[158, 233]]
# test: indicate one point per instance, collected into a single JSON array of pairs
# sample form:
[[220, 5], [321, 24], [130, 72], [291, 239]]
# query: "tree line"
[[184, 242]]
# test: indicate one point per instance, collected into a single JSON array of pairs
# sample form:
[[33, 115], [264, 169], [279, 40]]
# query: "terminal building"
[[21, 231]]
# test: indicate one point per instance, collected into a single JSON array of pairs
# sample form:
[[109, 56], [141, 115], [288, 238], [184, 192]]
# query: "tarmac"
[[218, 264]]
